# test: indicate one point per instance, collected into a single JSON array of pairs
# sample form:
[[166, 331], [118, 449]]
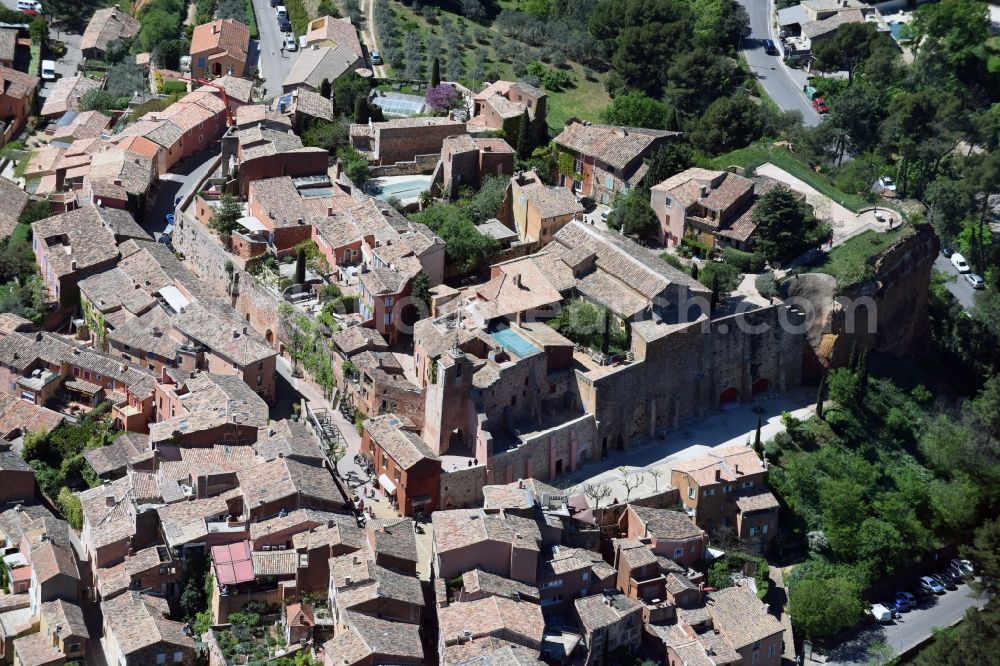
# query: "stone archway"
[[760, 386]]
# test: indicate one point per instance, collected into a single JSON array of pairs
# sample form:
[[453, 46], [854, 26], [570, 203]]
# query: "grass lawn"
[[751, 157], [585, 100], [35, 66], [851, 263]]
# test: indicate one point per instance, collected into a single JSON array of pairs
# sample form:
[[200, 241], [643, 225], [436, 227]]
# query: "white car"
[[960, 264], [886, 183], [291, 44], [281, 12]]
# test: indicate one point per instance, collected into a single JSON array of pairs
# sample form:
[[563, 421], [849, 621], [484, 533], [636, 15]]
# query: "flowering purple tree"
[[443, 98]]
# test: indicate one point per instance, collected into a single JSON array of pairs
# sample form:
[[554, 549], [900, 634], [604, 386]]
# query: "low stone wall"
[[419, 165]]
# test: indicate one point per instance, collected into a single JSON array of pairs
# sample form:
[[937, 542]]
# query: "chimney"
[[718, 475], [704, 191], [157, 332], [329, 211], [737, 469], [246, 330], [517, 280], [118, 182], [72, 264], [236, 333]]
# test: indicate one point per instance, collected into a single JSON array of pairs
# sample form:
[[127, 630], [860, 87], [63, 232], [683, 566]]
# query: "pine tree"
[[326, 89], [300, 267], [360, 110], [435, 73], [524, 146], [821, 397]]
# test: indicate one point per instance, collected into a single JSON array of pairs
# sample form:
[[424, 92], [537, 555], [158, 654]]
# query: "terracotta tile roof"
[[137, 622], [667, 524], [315, 64], [118, 172], [66, 93], [281, 202], [211, 401], [275, 562], [185, 522], [550, 201], [377, 581], [602, 610], [12, 201], [214, 328], [86, 125], [113, 290], [17, 85], [337, 30], [460, 528], [339, 531], [563, 559], [741, 616], [290, 439], [491, 651], [519, 621], [613, 145], [254, 114], [115, 456], [292, 522], [354, 339], [18, 415], [147, 333], [480, 581], [725, 460], [74, 241], [313, 104], [406, 448], [36, 650], [236, 87], [369, 636], [108, 25], [49, 560], [764, 501], [284, 477], [222, 35], [65, 616]]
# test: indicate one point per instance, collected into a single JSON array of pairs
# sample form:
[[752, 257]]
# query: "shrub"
[[766, 285], [747, 262]]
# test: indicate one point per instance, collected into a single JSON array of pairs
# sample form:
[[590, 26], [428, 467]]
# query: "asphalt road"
[[273, 65], [957, 284], [772, 73], [914, 627], [177, 183]]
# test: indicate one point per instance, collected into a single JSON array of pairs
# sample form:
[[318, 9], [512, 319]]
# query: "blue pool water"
[[897, 30], [514, 343]]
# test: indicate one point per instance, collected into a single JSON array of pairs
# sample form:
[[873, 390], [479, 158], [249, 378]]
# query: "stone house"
[[403, 139], [17, 100], [12, 202], [66, 92], [381, 387], [407, 470], [287, 211], [339, 535], [393, 544], [17, 478], [609, 621], [371, 641], [351, 341], [64, 628], [359, 585], [70, 247], [657, 582], [137, 631], [54, 571], [219, 48], [381, 292], [484, 620], [467, 160], [8, 46], [322, 63], [727, 489], [713, 207], [19, 417], [500, 105], [501, 544], [188, 414], [106, 26], [334, 32], [606, 160], [566, 574], [299, 623], [670, 534], [536, 210], [286, 484]]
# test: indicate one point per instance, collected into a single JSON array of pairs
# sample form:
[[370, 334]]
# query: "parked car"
[[899, 605], [931, 585], [976, 281], [280, 11], [965, 566], [820, 105], [275, 3], [291, 44], [947, 251], [49, 70], [284, 25], [770, 48], [605, 214], [887, 184], [376, 58], [29, 7], [881, 614], [945, 581], [959, 262], [957, 571], [908, 599]]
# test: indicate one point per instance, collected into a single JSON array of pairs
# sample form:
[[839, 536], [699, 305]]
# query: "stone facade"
[[419, 164]]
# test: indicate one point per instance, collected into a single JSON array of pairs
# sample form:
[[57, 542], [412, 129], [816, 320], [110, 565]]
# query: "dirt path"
[[368, 36]]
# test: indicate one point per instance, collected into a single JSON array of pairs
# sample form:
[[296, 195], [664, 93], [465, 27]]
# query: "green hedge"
[[747, 262], [252, 20], [297, 16], [170, 87]]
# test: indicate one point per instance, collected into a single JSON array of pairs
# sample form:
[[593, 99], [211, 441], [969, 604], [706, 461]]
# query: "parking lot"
[[956, 284]]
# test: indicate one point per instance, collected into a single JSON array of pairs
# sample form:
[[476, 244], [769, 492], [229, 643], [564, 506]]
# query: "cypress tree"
[[326, 89], [524, 137], [821, 397], [360, 110], [435, 73], [758, 446], [694, 271], [863, 371], [606, 339], [300, 267]]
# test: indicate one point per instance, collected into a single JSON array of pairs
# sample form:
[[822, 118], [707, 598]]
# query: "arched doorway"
[[217, 69], [760, 386], [269, 336], [728, 397]]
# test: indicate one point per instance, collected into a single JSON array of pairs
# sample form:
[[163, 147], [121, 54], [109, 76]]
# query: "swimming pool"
[[514, 343], [398, 105], [403, 188], [896, 28]]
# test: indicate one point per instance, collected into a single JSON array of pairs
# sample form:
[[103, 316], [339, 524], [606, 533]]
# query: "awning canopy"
[[388, 485]]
